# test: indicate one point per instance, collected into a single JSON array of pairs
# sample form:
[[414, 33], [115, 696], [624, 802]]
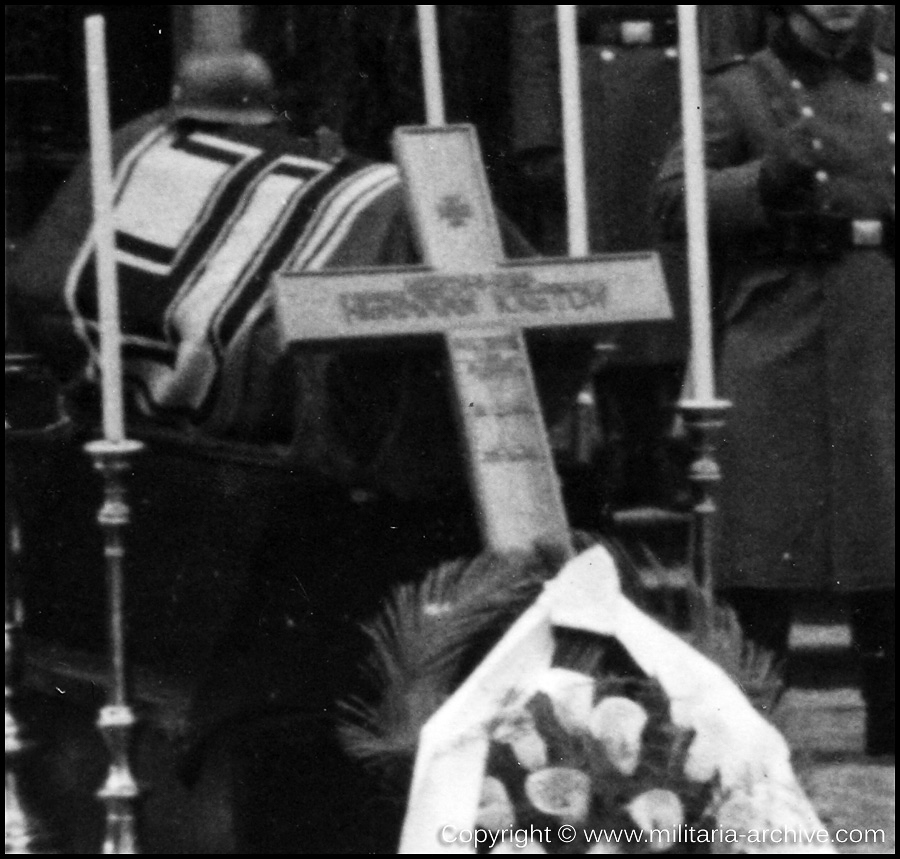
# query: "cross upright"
[[480, 304]]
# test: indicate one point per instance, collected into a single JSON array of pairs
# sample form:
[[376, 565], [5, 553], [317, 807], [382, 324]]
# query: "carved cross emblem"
[[454, 210]]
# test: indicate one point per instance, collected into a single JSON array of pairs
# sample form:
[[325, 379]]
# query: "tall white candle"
[[431, 65], [573, 130], [701, 365], [104, 237]]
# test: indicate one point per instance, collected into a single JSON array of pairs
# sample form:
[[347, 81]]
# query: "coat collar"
[[812, 67]]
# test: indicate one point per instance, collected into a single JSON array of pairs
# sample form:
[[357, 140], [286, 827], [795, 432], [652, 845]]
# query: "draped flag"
[[204, 215], [201, 223]]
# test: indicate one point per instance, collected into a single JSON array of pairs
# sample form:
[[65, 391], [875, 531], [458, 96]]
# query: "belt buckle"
[[867, 233]]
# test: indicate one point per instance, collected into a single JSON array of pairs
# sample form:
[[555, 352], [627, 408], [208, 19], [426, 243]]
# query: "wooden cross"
[[480, 304]]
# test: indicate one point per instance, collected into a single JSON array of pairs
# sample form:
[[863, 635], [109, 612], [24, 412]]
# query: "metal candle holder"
[[120, 792], [704, 421]]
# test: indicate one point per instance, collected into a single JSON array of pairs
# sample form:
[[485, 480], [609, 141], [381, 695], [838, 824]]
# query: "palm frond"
[[424, 641]]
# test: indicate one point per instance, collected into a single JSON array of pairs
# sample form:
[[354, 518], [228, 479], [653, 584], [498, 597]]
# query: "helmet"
[[234, 87], [783, 10]]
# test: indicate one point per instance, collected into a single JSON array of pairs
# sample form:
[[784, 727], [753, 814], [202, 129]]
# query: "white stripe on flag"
[[334, 208], [341, 231], [222, 143], [169, 192], [84, 326], [243, 240]]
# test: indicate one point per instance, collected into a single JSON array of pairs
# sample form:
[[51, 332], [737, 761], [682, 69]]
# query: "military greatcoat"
[[805, 318]]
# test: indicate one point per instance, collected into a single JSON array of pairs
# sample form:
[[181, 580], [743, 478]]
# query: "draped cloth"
[[204, 216], [201, 223]]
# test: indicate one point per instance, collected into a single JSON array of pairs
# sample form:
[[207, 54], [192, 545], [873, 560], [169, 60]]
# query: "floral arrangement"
[[530, 694], [584, 765]]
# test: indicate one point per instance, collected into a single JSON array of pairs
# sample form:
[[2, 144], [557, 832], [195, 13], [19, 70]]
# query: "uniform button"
[[891, 137], [821, 176], [817, 144], [887, 107], [883, 77], [796, 84], [807, 111]]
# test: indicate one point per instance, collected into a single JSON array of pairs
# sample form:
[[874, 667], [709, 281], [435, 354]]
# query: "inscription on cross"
[[480, 304]]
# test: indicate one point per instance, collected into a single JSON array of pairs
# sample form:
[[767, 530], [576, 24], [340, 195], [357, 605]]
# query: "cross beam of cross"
[[480, 304]]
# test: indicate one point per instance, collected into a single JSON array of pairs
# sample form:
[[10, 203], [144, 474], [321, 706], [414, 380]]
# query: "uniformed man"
[[800, 155]]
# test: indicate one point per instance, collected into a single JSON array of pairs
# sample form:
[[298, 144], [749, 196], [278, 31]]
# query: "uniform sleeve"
[[732, 175]]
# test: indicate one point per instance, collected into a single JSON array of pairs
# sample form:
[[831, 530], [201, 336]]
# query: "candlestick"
[[701, 360], [573, 130], [703, 425], [104, 231], [111, 457], [117, 720], [431, 65], [703, 413]]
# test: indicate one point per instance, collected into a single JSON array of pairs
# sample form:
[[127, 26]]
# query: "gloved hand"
[[787, 177]]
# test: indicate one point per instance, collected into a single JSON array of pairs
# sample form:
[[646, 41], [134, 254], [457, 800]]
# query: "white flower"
[[561, 791], [495, 809], [711, 747], [618, 723], [734, 742], [657, 810], [572, 694], [519, 732], [700, 764]]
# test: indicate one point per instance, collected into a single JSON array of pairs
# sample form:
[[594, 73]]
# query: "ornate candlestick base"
[[120, 791], [116, 722], [704, 421]]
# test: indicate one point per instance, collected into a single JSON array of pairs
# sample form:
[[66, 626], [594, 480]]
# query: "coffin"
[[204, 216]]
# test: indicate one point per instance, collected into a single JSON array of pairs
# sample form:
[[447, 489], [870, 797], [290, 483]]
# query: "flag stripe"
[[202, 223]]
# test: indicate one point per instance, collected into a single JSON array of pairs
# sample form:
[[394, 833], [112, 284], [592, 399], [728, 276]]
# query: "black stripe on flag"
[[145, 250], [208, 151], [228, 324], [280, 248], [297, 171]]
